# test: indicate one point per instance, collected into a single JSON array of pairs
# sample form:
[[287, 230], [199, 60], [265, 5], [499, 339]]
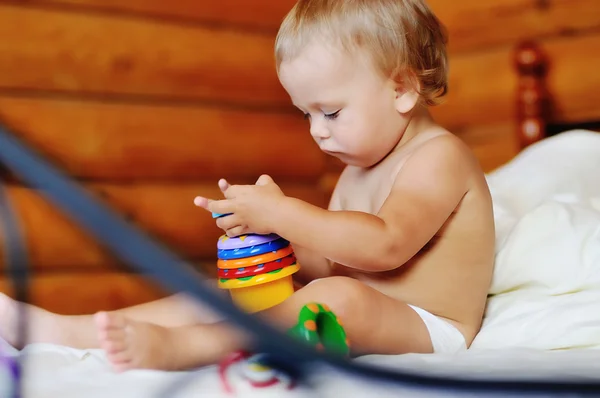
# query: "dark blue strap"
[[151, 259], [16, 262]]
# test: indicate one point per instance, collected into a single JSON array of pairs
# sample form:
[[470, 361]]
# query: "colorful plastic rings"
[[257, 269], [258, 279], [219, 215], [229, 254], [255, 260], [227, 243]]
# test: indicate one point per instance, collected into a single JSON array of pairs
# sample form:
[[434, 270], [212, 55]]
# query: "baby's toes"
[[122, 366], [109, 321], [120, 360], [112, 335], [111, 331], [114, 341]]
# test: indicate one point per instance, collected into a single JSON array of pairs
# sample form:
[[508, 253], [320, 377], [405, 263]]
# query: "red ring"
[[256, 269]]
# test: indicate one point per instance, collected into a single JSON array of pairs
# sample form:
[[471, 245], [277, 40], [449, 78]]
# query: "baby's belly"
[[401, 287], [454, 292]]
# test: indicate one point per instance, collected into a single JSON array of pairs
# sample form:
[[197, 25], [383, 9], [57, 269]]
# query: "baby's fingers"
[[228, 222], [221, 207], [201, 201], [223, 185], [236, 231]]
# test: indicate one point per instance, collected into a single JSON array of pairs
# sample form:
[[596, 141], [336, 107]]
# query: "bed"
[[543, 314]]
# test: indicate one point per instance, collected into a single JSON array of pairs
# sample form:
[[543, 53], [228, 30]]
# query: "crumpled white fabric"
[[545, 292]]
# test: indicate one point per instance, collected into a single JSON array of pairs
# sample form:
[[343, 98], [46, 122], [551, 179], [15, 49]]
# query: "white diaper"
[[445, 337]]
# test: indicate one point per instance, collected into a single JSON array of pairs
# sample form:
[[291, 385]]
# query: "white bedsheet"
[[543, 316]]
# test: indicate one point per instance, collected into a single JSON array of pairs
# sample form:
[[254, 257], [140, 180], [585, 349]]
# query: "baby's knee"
[[342, 294]]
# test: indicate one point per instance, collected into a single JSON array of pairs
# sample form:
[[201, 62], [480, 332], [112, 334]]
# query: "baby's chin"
[[340, 155], [350, 159]]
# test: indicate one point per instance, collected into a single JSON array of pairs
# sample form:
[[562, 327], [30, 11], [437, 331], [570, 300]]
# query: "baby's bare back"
[[450, 276]]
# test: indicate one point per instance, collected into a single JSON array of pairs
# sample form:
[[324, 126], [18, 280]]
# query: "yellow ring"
[[259, 279], [255, 260]]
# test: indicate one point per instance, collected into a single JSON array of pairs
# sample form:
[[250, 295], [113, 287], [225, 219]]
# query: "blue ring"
[[242, 252], [219, 215]]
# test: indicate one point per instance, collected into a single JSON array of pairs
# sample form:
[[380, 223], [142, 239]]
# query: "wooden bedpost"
[[532, 96]]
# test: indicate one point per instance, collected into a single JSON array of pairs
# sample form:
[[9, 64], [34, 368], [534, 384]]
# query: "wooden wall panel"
[[262, 14], [493, 145], [472, 24], [100, 55], [87, 293], [483, 84], [475, 25], [166, 211], [116, 141], [573, 80]]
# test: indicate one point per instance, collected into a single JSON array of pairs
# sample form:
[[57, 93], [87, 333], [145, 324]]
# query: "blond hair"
[[403, 37]]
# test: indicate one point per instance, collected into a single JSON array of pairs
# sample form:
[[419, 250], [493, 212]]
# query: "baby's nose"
[[319, 131]]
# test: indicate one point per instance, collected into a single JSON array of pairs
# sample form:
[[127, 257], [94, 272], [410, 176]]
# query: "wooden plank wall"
[[148, 103], [481, 103]]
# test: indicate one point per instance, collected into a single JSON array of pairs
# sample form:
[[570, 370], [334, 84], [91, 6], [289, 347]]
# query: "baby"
[[404, 255]]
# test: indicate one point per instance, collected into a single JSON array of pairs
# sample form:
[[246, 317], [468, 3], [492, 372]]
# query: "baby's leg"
[[79, 331], [173, 311], [374, 323]]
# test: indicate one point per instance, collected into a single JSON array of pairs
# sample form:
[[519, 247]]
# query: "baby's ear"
[[407, 94]]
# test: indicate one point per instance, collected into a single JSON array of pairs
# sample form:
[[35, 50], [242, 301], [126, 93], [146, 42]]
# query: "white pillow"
[[545, 292]]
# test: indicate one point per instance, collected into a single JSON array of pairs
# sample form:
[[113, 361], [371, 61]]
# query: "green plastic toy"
[[317, 325], [320, 327]]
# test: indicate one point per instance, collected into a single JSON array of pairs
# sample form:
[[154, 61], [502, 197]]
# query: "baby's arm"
[[426, 191], [313, 264]]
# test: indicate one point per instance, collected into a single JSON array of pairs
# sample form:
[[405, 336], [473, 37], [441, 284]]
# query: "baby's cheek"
[[358, 139], [344, 134]]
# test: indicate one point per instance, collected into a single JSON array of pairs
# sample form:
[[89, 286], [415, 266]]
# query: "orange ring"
[[255, 260]]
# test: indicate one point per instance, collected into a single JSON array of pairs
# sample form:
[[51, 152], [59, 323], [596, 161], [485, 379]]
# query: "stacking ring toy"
[[255, 260], [253, 281], [320, 327], [227, 243], [257, 269], [250, 251]]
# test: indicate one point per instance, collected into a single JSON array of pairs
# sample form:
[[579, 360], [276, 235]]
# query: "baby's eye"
[[306, 116], [333, 115]]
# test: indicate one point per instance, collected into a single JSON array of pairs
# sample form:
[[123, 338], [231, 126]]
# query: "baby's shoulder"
[[443, 143], [440, 150]]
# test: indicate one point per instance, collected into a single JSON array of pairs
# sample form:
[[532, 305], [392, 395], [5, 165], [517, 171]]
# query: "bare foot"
[[42, 326], [133, 345]]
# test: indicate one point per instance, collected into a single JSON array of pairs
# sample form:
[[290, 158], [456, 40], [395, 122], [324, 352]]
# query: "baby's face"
[[351, 108]]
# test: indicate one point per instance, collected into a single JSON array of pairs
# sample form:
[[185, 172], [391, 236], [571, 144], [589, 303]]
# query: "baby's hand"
[[247, 207], [203, 202]]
